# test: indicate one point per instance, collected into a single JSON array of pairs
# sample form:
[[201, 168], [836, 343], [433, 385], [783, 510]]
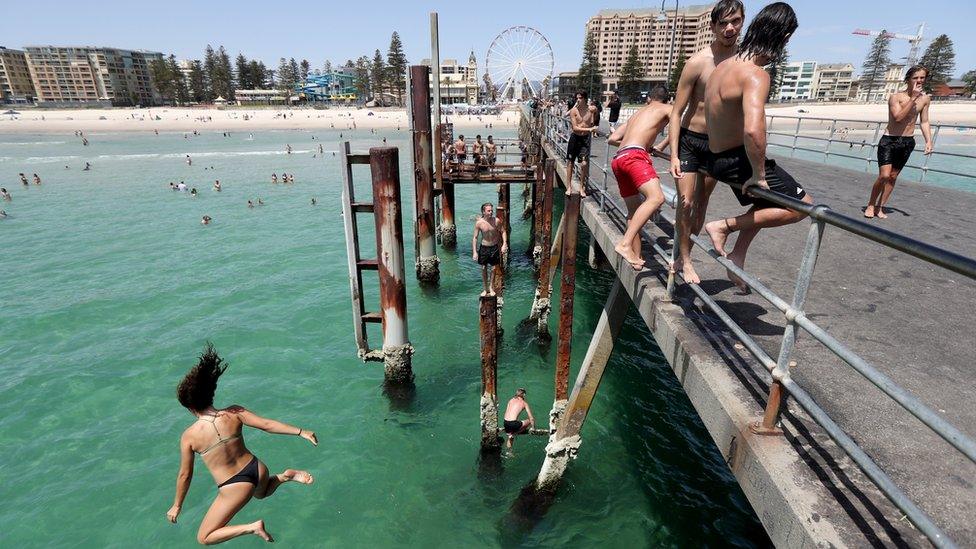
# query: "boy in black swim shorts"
[[486, 252]]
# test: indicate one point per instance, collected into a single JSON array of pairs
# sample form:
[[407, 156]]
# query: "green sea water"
[[109, 288]]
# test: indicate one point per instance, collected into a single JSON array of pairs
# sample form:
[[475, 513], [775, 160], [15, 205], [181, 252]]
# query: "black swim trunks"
[[488, 255], [248, 474], [732, 166], [578, 148], [895, 150], [692, 150], [513, 427]]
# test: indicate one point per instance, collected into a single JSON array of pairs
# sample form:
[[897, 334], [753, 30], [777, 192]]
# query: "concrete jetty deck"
[[911, 320]]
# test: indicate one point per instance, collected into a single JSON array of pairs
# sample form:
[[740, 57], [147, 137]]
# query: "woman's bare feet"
[[303, 477], [627, 253], [718, 231], [259, 531], [869, 211], [881, 214]]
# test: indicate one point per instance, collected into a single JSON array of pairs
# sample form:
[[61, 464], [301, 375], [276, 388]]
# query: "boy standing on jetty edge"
[[487, 253], [898, 142]]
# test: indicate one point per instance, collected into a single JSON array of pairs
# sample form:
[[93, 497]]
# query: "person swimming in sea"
[[217, 436], [4, 195], [205, 220]]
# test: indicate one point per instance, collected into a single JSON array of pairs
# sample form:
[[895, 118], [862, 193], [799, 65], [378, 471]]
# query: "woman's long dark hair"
[[196, 390], [769, 32]]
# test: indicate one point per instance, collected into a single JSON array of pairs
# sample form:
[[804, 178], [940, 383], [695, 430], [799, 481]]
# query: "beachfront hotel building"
[[880, 91], [15, 80], [798, 81], [616, 30], [833, 82], [459, 83], [76, 76]]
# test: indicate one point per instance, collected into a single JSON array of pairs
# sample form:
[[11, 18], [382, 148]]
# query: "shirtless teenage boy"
[[735, 116], [581, 118], [461, 151], [689, 145], [634, 172], [486, 253], [898, 142], [514, 426]]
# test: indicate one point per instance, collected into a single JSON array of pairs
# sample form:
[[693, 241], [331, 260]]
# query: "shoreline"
[[235, 119]]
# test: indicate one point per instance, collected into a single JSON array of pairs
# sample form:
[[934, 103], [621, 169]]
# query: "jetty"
[[838, 388]]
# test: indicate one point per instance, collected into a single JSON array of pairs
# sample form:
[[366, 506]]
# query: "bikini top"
[[219, 439]]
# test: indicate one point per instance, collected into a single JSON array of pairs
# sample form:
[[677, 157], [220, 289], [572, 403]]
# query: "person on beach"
[[636, 178], [735, 98], [217, 436], [514, 426], [581, 118], [487, 254], [898, 142], [613, 104], [689, 145], [4, 195], [23, 179]]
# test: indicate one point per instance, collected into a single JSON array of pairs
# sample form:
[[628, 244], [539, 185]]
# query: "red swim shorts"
[[632, 167]]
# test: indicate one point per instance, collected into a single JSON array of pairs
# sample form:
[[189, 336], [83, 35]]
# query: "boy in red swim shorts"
[[638, 182]]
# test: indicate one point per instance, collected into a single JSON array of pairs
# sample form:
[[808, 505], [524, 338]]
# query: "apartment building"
[[880, 91], [15, 80], [73, 76], [833, 82], [799, 79], [616, 30]]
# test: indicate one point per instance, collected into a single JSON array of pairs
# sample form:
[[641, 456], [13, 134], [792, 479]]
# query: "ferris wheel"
[[518, 65]]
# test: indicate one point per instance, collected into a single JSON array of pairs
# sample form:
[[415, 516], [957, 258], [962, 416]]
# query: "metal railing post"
[[777, 395], [874, 141], [925, 165], [606, 174], [796, 135]]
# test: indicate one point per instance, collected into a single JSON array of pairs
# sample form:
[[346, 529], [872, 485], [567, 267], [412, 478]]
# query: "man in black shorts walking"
[[898, 142], [735, 115], [581, 118], [487, 253]]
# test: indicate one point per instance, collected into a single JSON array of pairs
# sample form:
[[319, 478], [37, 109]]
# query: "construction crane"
[[913, 40]]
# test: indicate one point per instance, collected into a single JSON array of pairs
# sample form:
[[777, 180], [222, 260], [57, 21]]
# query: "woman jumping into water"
[[216, 436]]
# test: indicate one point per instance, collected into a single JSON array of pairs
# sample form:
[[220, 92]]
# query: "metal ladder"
[[357, 264]]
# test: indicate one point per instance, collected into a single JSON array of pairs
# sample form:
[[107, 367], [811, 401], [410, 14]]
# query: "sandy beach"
[[232, 119], [963, 113]]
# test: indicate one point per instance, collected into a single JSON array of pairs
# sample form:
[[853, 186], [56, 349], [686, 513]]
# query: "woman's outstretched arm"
[[183, 479], [273, 426]]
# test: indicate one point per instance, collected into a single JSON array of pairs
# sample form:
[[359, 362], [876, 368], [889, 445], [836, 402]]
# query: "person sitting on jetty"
[[735, 99], [217, 436], [689, 145], [637, 180], [898, 142], [581, 118], [487, 253], [514, 426]]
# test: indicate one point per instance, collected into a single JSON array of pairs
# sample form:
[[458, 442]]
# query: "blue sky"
[[341, 30]]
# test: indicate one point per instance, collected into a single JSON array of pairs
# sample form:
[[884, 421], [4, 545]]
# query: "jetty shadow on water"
[[401, 395], [528, 509]]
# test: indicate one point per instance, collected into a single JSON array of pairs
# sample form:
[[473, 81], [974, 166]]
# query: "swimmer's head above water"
[[196, 390]]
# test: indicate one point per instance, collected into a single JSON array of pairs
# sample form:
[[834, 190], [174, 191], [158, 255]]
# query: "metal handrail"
[[555, 127]]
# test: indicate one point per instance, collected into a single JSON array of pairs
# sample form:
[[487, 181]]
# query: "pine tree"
[[177, 81], [304, 67], [396, 63], [286, 77], [162, 80], [225, 86], [327, 67], [209, 71], [362, 77], [940, 60], [630, 75], [244, 79], [679, 66], [590, 76], [198, 82], [876, 64], [378, 76], [776, 72], [258, 74], [970, 79]]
